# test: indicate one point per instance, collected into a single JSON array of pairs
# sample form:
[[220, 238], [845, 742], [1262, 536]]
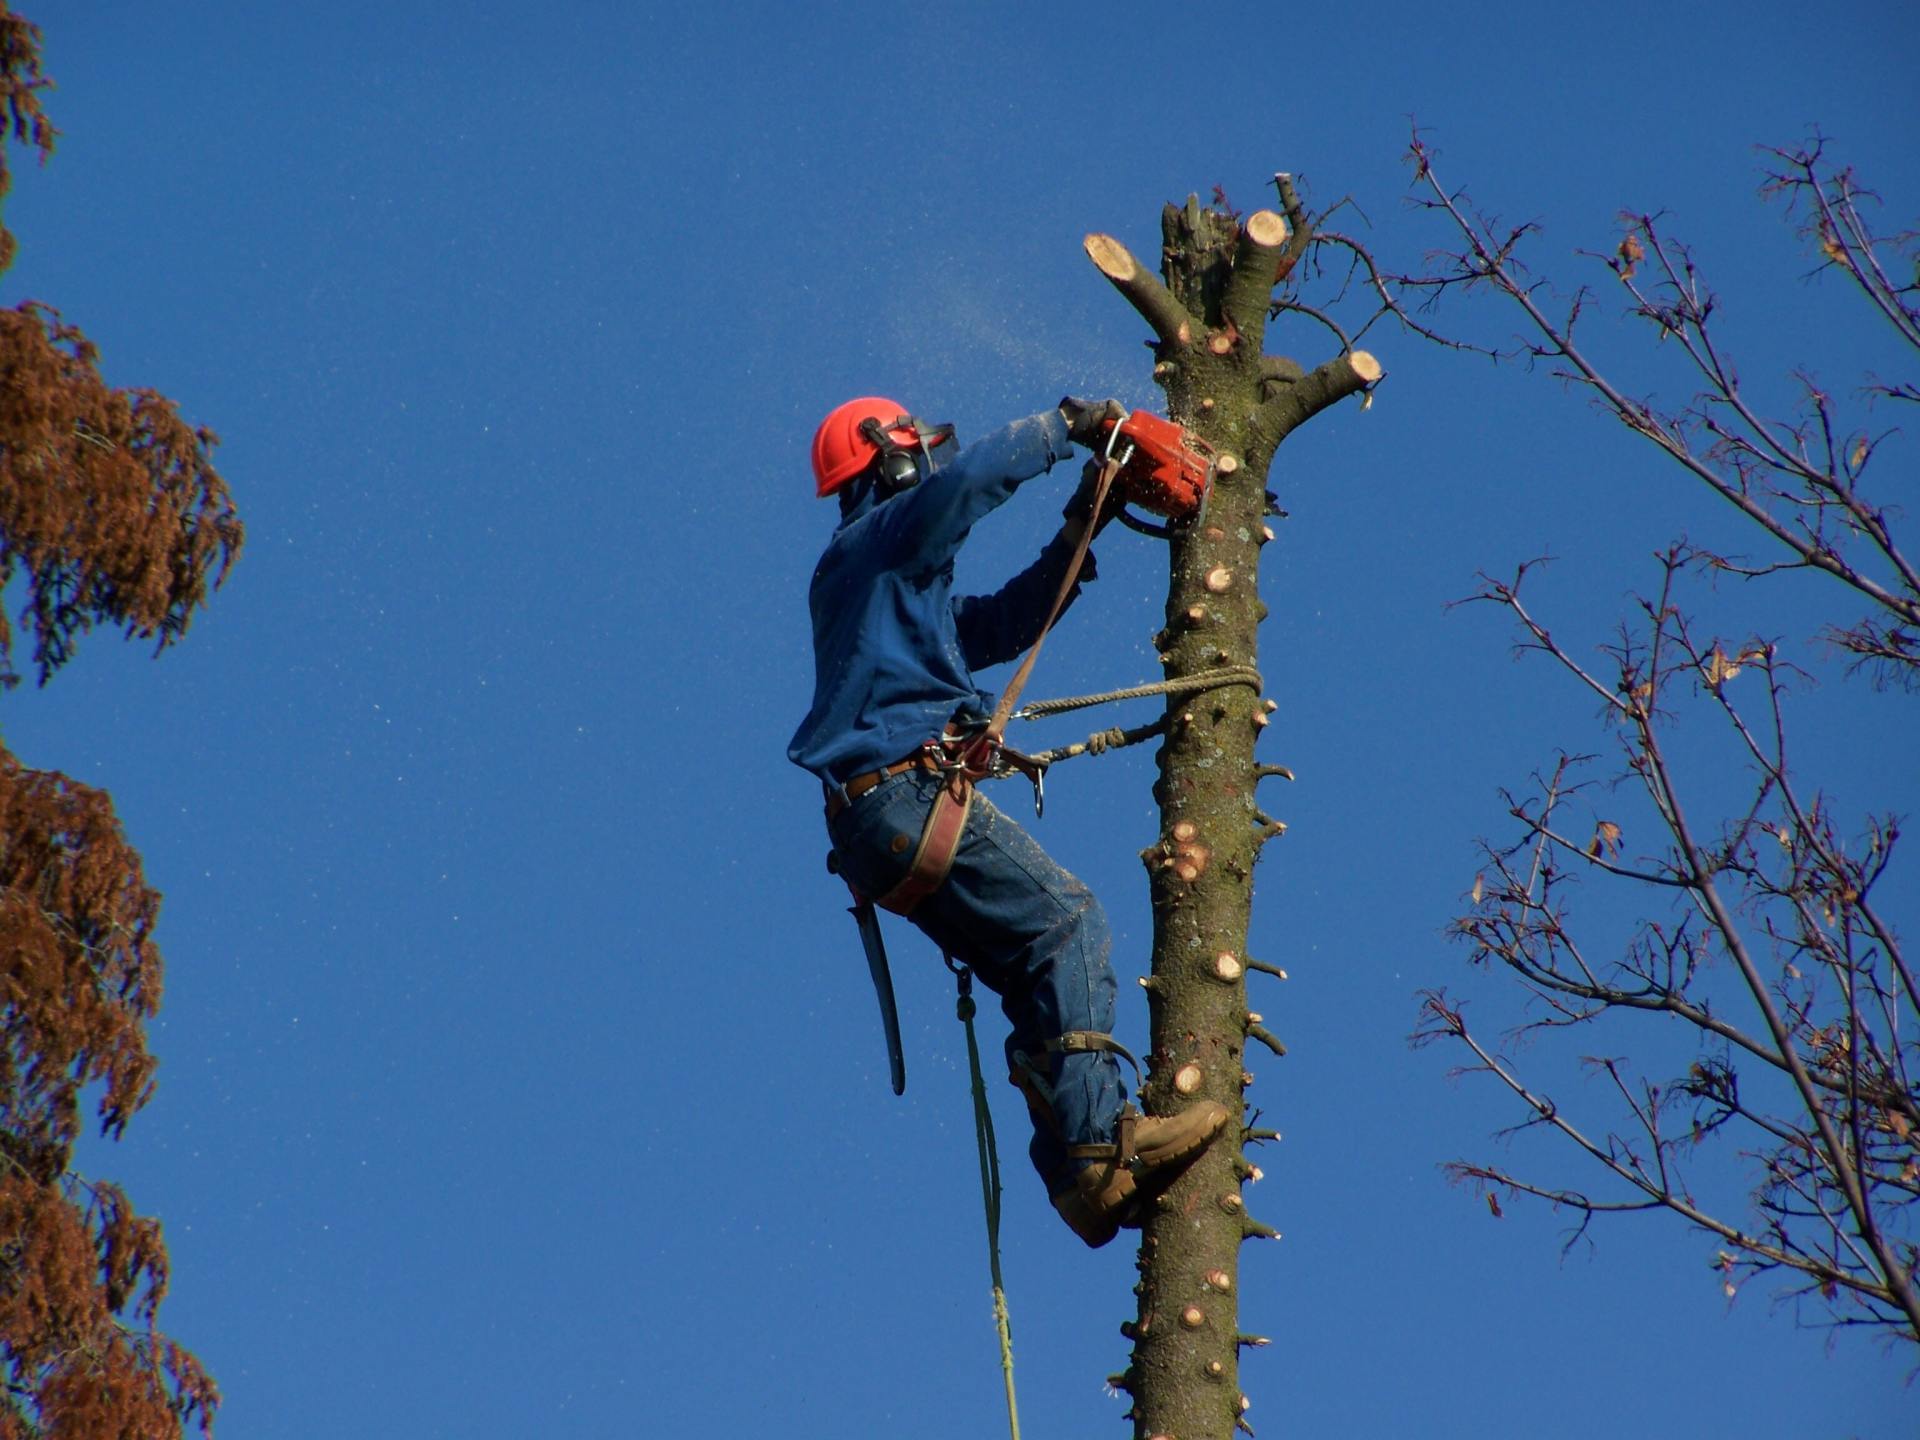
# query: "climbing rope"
[[989, 1183], [1185, 685], [1102, 741]]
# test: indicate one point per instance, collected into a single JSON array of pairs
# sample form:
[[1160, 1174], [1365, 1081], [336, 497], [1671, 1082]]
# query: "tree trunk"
[[1209, 319]]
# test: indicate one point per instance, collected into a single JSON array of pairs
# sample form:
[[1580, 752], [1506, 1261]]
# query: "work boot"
[[1105, 1195], [1094, 1224]]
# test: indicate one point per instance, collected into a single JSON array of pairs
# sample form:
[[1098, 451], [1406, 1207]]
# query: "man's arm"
[[920, 530], [999, 626]]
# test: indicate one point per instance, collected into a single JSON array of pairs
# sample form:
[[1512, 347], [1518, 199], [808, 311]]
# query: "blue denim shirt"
[[894, 649]]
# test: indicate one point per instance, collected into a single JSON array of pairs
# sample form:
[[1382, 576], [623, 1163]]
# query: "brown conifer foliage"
[[79, 977], [109, 502], [111, 510]]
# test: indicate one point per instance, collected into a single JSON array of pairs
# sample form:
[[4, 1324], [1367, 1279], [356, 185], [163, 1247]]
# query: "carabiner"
[[1114, 439]]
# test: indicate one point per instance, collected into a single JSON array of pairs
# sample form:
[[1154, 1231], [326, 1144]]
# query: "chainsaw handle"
[[1145, 527]]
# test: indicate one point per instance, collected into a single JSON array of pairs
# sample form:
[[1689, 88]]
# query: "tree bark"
[[1209, 319]]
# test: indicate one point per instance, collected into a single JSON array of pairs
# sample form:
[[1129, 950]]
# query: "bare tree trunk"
[[1209, 318]]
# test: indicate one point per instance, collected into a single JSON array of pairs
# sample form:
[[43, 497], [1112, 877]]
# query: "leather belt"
[[838, 800]]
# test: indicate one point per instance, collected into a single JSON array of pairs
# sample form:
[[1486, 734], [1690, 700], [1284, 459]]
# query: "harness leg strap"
[[939, 843]]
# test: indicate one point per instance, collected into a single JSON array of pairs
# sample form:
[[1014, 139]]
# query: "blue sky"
[[519, 1070]]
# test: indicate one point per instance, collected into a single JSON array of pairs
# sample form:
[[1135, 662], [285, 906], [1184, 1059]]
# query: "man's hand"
[[1086, 419]]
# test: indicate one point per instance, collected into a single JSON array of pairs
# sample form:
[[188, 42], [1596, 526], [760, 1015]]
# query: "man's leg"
[[1034, 935], [1038, 938]]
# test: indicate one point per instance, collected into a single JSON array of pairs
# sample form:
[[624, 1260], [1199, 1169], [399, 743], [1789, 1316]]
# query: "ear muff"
[[895, 466], [897, 471]]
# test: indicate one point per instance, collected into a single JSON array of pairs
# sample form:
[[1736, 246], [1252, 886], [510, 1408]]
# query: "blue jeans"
[[1034, 935]]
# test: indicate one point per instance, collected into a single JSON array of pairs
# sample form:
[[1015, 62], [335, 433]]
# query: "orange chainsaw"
[[1164, 467]]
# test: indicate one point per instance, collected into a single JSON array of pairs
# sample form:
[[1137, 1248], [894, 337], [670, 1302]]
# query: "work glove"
[[1086, 419]]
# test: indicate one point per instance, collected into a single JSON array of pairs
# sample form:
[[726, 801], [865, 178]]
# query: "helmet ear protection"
[[896, 467], [873, 437]]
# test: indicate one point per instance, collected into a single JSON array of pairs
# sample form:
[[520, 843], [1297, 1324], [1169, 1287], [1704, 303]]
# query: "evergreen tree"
[[110, 511]]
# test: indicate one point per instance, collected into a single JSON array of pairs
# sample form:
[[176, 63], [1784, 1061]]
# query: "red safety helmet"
[[855, 433]]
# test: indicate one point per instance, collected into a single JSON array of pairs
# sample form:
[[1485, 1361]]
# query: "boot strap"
[[1080, 1042], [1119, 1151]]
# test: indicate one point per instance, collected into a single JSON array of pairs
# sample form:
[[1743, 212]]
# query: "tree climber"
[[895, 704]]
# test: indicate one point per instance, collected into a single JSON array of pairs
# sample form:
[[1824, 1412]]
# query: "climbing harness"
[[989, 1182]]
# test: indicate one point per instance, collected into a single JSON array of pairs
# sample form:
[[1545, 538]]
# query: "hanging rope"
[[989, 1183]]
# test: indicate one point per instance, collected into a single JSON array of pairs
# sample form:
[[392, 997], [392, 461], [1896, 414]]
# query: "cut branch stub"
[[1267, 228], [1167, 316], [1349, 373], [1256, 265]]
